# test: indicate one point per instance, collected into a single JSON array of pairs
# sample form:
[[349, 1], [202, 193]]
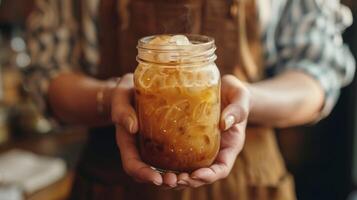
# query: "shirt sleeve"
[[52, 45], [309, 39]]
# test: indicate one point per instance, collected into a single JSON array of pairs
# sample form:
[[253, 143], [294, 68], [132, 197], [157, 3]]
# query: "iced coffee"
[[177, 88]]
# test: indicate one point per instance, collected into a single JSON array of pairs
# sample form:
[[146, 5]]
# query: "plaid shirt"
[[300, 35]]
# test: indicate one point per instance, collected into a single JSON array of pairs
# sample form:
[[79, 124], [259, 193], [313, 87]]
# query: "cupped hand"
[[125, 120], [235, 104]]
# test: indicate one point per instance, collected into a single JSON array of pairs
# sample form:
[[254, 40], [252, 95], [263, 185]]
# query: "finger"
[[230, 147], [230, 84], [185, 178], [132, 163], [139, 180], [236, 98], [233, 139], [122, 111], [181, 183], [211, 174], [170, 179], [232, 114], [127, 81]]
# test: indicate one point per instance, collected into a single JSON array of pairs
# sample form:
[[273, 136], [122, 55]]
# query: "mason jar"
[[177, 90]]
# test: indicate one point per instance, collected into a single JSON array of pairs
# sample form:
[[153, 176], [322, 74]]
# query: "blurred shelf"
[[66, 144]]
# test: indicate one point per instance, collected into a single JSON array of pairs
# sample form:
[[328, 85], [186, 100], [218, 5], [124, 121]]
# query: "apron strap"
[[249, 40]]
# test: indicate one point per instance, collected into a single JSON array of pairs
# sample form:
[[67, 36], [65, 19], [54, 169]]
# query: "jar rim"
[[197, 41], [201, 50]]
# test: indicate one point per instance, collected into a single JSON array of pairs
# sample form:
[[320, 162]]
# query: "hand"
[[125, 120], [235, 104]]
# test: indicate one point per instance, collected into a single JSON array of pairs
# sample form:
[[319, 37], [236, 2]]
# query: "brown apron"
[[259, 172]]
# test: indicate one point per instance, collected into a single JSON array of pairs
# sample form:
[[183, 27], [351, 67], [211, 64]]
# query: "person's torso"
[[118, 33], [120, 24]]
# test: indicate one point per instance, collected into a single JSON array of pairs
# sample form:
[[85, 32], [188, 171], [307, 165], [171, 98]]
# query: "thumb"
[[231, 115], [123, 113], [237, 101]]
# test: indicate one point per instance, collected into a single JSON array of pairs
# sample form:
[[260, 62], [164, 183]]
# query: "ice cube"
[[170, 40], [167, 42], [160, 40], [180, 40]]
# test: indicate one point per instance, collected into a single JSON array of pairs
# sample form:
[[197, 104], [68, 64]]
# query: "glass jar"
[[177, 90]]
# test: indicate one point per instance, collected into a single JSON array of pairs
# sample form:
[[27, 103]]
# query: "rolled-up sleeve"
[[52, 44], [308, 38]]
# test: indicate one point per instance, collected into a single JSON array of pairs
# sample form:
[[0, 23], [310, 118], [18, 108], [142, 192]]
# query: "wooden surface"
[[57, 191]]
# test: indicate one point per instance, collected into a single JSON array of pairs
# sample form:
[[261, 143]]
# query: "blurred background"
[[41, 156], [323, 157]]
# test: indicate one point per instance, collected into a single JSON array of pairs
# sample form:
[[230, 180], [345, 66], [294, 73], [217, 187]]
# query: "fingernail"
[[181, 182], [228, 122], [156, 183], [129, 124], [194, 177], [172, 185]]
